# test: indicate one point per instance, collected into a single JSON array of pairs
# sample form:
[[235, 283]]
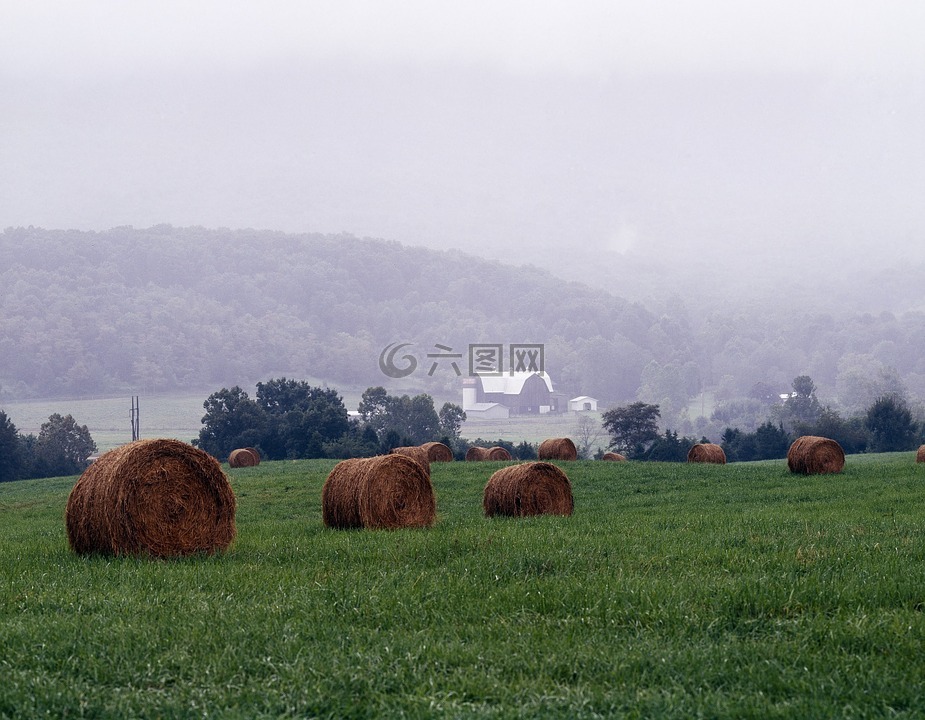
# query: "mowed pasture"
[[674, 590]]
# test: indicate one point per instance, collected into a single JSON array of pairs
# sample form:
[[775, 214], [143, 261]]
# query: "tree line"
[[291, 419], [62, 447], [887, 425]]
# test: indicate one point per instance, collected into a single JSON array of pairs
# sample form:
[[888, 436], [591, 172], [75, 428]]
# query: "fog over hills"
[[168, 309], [741, 186], [745, 156]]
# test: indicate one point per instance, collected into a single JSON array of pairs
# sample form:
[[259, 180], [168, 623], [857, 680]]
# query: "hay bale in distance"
[[157, 497], [613, 457], [438, 452], [416, 453], [557, 449], [920, 455], [498, 453], [532, 488], [706, 453], [383, 492], [243, 457], [476, 454], [813, 455]]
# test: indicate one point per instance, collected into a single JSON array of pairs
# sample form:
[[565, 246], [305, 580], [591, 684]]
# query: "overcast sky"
[[677, 129]]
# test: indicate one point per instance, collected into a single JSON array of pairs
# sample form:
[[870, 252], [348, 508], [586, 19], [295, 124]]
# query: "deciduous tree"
[[633, 428], [63, 447]]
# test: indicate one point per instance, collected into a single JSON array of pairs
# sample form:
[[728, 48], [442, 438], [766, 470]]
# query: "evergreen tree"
[[11, 456], [891, 426]]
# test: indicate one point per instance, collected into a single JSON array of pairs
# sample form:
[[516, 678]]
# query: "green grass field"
[[673, 591]]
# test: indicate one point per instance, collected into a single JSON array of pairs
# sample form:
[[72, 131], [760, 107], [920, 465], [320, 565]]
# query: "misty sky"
[[718, 131]]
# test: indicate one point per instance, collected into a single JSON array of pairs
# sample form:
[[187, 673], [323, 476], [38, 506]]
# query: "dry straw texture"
[[340, 496], [243, 457], [706, 453], [533, 488], [812, 455], [557, 449], [416, 453], [385, 492], [476, 453], [159, 498], [498, 453], [438, 452], [613, 457], [920, 455]]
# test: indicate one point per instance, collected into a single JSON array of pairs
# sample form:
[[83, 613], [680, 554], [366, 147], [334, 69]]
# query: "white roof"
[[511, 383], [582, 398], [482, 407]]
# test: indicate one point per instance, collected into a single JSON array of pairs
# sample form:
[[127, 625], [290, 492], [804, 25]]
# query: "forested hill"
[[188, 308], [168, 309]]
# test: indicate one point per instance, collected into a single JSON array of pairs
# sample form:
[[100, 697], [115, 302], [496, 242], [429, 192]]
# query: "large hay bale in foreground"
[[386, 491], [920, 455], [557, 449], [243, 457], [532, 488], [438, 452], [498, 453], [159, 498], [416, 453], [706, 453], [813, 455], [340, 495], [476, 453], [613, 457]]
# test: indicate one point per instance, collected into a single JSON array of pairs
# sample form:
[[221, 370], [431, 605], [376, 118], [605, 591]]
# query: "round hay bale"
[[532, 488], [416, 453], [557, 449], [438, 452], [382, 492], [255, 453], [613, 457], [340, 495], [476, 453], [243, 457], [498, 453], [920, 455], [813, 455], [157, 497], [706, 453]]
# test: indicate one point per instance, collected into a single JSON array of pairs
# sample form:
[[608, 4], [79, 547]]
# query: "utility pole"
[[136, 418]]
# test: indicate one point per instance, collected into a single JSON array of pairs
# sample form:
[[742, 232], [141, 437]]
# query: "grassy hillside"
[[673, 591]]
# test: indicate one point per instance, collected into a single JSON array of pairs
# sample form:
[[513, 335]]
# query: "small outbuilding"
[[582, 403]]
